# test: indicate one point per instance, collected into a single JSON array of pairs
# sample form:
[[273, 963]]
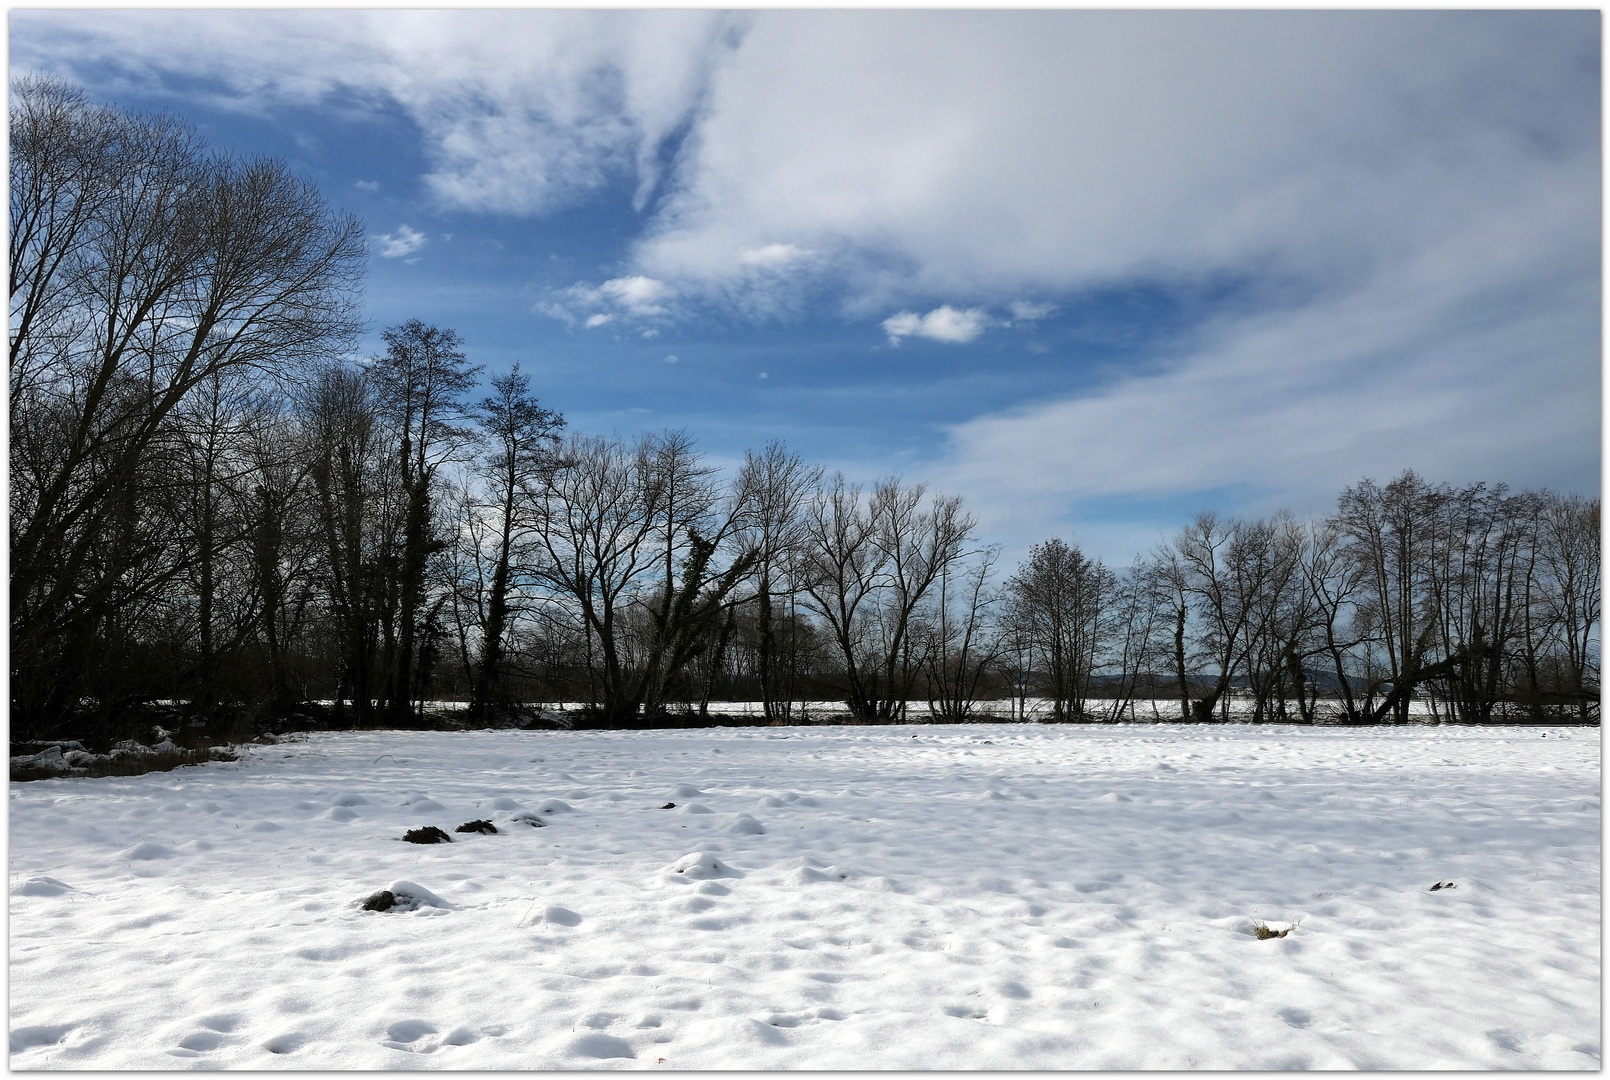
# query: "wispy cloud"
[[1025, 311]]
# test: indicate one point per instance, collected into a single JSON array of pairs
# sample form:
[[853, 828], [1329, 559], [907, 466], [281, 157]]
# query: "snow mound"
[[555, 806], [404, 896], [423, 804], [696, 808], [503, 802], [806, 875], [686, 791], [347, 798], [700, 865], [146, 851], [339, 813], [771, 802], [560, 916], [526, 817], [744, 825], [42, 886], [1113, 796]]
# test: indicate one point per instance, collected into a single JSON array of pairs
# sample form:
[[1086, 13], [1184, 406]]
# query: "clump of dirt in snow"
[[482, 826], [430, 834], [402, 896]]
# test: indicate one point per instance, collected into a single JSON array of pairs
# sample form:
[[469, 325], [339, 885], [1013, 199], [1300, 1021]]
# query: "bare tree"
[[521, 435], [140, 267], [1567, 598], [778, 484], [870, 562], [961, 644], [422, 377]]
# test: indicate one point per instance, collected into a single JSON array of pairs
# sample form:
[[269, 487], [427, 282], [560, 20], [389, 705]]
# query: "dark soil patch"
[[483, 826], [430, 834], [384, 900]]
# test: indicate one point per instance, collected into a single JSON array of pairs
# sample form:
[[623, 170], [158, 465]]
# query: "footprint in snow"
[[410, 1036], [26, 1038], [201, 1042], [287, 1043], [600, 1046]]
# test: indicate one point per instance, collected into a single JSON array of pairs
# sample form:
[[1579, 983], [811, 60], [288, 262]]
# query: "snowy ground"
[[1007, 896]]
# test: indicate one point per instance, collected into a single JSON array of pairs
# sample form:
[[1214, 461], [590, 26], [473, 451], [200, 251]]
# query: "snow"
[[953, 897]]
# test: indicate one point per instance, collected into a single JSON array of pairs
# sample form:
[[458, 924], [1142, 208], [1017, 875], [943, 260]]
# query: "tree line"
[[211, 505]]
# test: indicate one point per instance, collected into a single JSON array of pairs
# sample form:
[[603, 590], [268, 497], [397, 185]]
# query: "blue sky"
[[1092, 270]]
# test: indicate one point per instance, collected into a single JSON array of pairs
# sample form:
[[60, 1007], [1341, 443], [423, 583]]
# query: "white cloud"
[[670, 359], [631, 297], [639, 295], [1433, 366], [370, 186], [521, 112], [1384, 185], [941, 324], [403, 242]]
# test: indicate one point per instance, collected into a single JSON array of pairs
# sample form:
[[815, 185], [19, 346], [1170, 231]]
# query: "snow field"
[[1002, 896]]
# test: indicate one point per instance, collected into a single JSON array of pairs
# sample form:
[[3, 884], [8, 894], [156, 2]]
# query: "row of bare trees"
[[209, 507], [1477, 603]]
